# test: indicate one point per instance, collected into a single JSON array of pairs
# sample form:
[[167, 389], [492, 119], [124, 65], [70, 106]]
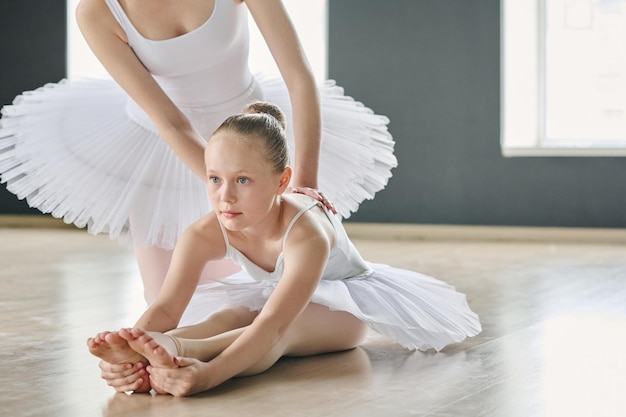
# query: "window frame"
[[522, 107]]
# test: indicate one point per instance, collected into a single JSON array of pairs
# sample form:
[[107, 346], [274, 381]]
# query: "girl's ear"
[[285, 179]]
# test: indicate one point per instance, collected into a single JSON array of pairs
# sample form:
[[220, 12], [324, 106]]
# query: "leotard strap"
[[297, 216], [289, 226]]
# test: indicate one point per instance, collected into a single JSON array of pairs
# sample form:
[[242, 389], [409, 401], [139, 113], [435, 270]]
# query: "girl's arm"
[[200, 243], [282, 40], [108, 42], [305, 257]]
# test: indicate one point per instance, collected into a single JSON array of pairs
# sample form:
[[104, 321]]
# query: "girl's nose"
[[228, 193]]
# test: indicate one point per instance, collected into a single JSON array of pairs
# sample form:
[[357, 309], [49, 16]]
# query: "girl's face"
[[242, 186]]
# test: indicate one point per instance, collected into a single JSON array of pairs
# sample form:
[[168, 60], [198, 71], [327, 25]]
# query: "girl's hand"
[[316, 194], [125, 377], [188, 379]]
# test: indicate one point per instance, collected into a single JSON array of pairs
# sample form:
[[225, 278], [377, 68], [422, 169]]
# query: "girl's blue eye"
[[214, 180], [242, 180]]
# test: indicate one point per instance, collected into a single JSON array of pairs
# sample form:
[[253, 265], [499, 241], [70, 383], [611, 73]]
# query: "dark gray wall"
[[432, 66], [32, 53]]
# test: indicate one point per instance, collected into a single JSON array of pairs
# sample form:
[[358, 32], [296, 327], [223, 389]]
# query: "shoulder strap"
[[297, 216], [120, 15], [116, 10]]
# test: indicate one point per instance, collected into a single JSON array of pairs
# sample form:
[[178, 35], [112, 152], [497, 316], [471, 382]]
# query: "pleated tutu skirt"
[[415, 310], [80, 150]]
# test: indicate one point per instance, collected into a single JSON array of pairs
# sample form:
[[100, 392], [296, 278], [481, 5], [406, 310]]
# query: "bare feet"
[[159, 349], [112, 348]]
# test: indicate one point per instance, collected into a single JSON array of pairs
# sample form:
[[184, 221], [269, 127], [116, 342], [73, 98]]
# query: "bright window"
[[563, 77], [309, 17]]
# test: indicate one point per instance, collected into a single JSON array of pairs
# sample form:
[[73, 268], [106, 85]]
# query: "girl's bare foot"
[[159, 349], [112, 348]]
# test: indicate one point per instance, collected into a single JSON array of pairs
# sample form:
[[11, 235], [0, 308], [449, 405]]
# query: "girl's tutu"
[[417, 311], [75, 150]]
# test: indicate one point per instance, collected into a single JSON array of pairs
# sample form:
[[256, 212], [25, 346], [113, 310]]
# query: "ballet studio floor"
[[552, 303]]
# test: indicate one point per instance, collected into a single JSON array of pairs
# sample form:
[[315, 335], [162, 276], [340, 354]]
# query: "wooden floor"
[[554, 339]]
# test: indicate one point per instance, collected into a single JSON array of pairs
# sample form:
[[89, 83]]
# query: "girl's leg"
[[217, 323], [317, 330], [154, 262], [113, 348]]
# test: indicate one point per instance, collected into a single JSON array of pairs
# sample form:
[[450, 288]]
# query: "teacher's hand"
[[316, 194]]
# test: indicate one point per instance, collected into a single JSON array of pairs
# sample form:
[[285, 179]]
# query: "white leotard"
[[206, 66], [344, 261]]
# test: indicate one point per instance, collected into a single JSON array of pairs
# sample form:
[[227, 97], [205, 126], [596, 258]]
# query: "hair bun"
[[262, 107]]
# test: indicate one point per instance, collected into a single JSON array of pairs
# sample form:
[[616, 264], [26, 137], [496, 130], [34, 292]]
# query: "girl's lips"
[[230, 214]]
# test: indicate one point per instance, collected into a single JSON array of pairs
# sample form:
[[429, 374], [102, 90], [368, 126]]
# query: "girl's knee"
[[353, 333], [321, 330], [235, 317]]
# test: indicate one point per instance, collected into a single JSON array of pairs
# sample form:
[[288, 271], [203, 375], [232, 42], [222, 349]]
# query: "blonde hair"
[[264, 121]]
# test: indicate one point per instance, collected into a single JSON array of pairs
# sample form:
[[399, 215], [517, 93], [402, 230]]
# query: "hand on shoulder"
[[316, 194]]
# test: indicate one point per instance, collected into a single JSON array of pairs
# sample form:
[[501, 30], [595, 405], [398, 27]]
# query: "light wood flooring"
[[553, 344]]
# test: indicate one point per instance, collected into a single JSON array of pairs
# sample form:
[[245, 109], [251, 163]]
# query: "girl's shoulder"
[[297, 205], [306, 218], [207, 227]]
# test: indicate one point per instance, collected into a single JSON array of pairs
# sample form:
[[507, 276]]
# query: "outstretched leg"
[[317, 330], [161, 348], [218, 323]]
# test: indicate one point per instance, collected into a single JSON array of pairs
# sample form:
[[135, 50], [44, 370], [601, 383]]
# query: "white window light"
[[563, 75]]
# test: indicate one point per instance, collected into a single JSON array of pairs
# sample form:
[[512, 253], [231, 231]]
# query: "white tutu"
[[417, 311], [78, 150]]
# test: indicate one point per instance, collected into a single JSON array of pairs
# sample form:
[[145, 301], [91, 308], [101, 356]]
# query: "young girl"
[[119, 156], [312, 292]]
